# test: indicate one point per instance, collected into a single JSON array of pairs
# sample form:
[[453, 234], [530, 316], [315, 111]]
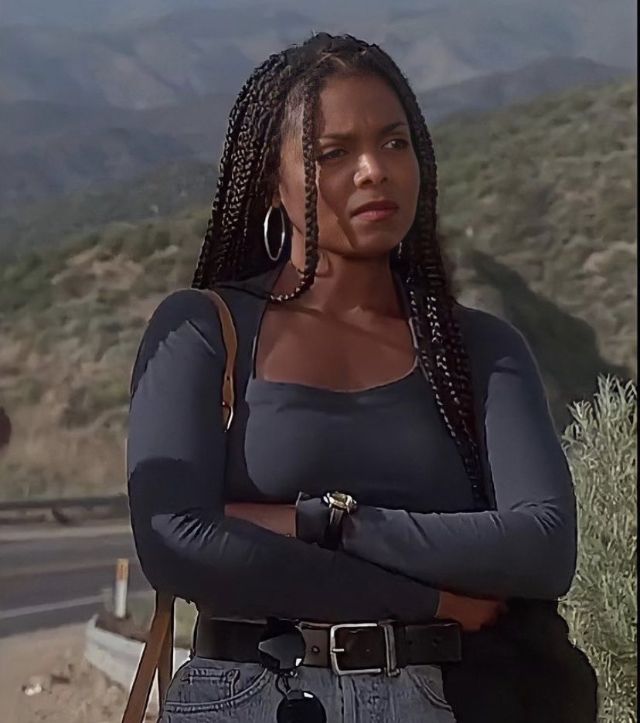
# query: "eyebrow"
[[347, 136]]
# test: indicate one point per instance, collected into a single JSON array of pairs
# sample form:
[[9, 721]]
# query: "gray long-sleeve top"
[[413, 533]]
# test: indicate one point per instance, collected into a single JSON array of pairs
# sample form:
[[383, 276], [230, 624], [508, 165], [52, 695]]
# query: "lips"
[[381, 205]]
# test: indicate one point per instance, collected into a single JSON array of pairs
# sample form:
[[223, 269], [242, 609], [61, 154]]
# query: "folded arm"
[[175, 469], [526, 547]]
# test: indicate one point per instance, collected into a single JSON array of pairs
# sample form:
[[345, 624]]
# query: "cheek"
[[334, 191]]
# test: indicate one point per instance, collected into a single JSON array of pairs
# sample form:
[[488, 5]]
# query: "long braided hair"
[[264, 112]]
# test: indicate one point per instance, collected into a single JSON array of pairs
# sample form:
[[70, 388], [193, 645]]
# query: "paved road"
[[51, 576]]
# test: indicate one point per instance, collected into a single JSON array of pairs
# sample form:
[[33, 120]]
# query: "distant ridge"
[[54, 149], [498, 90]]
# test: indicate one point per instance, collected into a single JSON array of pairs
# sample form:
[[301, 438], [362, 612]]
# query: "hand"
[[472, 613], [278, 518]]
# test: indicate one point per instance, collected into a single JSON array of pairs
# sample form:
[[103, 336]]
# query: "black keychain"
[[281, 650]]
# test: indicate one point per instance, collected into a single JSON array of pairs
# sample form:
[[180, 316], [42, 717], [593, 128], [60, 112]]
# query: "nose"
[[370, 170]]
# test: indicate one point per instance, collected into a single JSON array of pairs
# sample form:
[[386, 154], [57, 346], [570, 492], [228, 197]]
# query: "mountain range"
[[197, 48], [94, 94], [52, 149]]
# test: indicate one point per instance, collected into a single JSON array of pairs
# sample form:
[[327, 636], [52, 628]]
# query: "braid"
[[251, 153], [224, 169], [309, 100], [443, 357], [223, 247]]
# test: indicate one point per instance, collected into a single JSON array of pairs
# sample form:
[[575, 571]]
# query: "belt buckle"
[[390, 669]]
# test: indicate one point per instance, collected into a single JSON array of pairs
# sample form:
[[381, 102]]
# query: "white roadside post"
[[120, 593]]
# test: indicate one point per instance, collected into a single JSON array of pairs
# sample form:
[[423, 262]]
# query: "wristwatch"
[[339, 504]]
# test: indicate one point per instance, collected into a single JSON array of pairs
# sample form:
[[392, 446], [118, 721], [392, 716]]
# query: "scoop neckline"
[[253, 381], [272, 280]]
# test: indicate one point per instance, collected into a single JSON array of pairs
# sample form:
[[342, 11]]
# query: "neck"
[[344, 286]]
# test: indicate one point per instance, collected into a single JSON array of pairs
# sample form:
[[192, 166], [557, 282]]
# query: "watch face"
[[342, 500]]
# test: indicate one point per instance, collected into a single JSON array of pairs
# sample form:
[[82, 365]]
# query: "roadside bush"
[[601, 608]]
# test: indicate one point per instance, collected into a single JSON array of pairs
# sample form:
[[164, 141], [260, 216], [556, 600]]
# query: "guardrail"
[[118, 657], [115, 504]]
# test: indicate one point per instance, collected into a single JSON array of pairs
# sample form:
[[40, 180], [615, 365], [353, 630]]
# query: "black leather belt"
[[346, 648]]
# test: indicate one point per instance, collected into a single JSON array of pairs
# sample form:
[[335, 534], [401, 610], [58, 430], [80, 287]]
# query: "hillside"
[[162, 192], [538, 208], [51, 150], [86, 105]]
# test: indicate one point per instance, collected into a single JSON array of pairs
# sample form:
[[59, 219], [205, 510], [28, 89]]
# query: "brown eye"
[[403, 143], [329, 155]]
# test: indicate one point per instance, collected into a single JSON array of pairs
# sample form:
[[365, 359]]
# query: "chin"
[[375, 244], [368, 251]]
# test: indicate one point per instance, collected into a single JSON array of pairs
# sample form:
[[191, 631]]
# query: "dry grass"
[[45, 459]]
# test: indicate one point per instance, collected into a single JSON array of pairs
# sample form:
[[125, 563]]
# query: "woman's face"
[[363, 153]]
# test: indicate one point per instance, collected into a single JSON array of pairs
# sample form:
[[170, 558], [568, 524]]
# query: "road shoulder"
[[64, 687]]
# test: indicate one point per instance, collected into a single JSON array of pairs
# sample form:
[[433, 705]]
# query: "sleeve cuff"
[[312, 518]]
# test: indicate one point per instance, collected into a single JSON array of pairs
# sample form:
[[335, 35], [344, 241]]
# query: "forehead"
[[357, 104]]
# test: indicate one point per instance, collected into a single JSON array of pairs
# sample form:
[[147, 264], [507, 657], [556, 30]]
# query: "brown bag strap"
[[154, 652], [158, 650], [230, 341]]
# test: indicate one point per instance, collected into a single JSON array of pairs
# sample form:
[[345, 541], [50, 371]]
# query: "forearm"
[[279, 518], [528, 552], [471, 613], [237, 568], [520, 553]]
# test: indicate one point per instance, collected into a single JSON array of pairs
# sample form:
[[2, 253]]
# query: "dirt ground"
[[45, 679]]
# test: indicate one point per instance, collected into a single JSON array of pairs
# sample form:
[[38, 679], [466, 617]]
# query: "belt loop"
[[391, 667], [402, 652], [194, 633]]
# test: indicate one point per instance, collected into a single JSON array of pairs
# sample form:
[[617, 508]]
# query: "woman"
[[357, 372]]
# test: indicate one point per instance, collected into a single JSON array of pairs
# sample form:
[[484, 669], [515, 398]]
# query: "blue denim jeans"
[[211, 691]]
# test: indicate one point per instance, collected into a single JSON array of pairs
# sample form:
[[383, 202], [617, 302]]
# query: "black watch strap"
[[333, 530]]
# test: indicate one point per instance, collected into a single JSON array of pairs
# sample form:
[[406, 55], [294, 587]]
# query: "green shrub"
[[27, 283], [116, 243], [31, 390], [162, 239], [601, 607]]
